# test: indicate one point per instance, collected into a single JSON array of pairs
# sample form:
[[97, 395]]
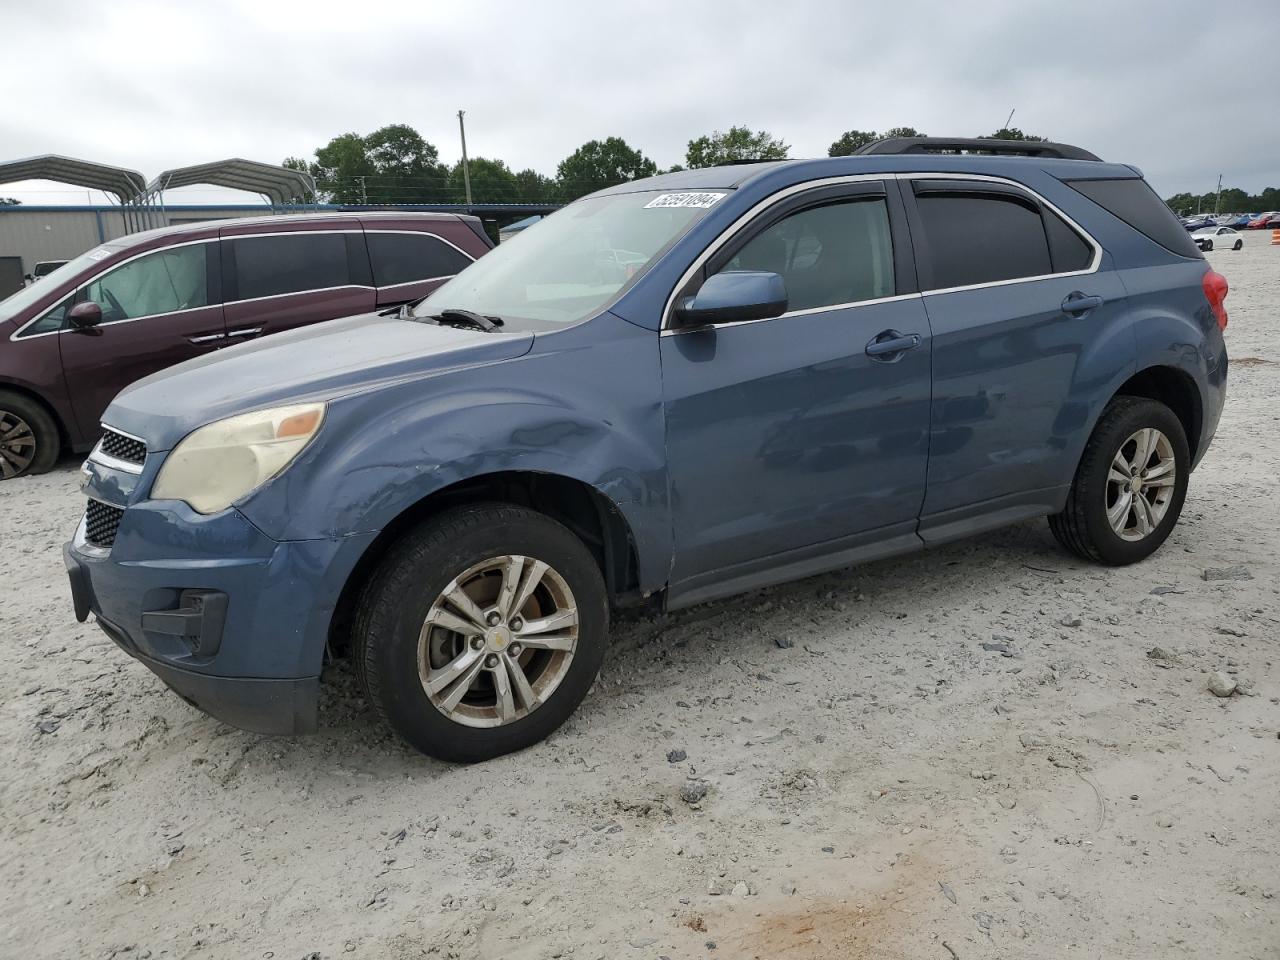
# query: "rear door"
[[408, 265], [281, 280], [1016, 296], [158, 308]]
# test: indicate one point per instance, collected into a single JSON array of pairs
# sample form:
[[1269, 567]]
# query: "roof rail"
[[1023, 148]]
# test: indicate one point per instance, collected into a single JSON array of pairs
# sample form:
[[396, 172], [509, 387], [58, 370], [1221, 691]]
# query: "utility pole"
[[1217, 201], [364, 193], [466, 168], [1009, 120]]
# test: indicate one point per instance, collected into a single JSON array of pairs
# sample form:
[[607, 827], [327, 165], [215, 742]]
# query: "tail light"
[[1215, 291]]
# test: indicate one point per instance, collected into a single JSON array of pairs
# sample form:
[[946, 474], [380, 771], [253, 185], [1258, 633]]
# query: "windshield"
[[27, 296], [567, 267]]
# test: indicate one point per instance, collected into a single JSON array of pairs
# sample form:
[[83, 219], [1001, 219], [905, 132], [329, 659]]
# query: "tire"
[[1239, 245], [390, 632], [33, 441], [1208, 245], [1084, 527]]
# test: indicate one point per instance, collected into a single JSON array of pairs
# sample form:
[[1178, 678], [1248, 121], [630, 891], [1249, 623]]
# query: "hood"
[[318, 362]]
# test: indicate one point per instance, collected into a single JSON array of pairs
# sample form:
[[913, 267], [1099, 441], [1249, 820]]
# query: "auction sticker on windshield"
[[684, 200]]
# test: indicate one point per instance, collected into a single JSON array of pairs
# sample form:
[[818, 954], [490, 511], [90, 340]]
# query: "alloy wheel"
[[17, 445], [497, 641], [1140, 484]]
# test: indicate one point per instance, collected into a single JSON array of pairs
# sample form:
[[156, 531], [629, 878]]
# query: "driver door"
[[158, 309], [800, 437]]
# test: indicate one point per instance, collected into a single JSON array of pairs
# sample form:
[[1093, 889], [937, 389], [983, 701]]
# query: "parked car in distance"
[[45, 267], [1240, 221], [1196, 223], [1207, 238], [149, 300], [1263, 220], [671, 391]]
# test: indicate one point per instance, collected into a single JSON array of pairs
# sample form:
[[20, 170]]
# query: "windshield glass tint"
[[573, 263], [25, 297]]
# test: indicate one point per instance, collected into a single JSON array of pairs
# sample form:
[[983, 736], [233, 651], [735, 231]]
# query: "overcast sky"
[[1184, 90]]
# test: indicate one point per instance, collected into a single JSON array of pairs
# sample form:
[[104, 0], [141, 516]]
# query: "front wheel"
[[29, 440], [1130, 485], [481, 631]]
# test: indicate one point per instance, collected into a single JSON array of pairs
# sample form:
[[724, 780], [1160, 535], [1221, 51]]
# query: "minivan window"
[[53, 320], [289, 263], [407, 257], [29, 296], [567, 267], [161, 282], [833, 254], [982, 238]]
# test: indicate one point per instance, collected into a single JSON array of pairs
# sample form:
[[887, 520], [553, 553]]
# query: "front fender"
[[585, 404]]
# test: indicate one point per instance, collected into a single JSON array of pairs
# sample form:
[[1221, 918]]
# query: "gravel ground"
[[877, 783]]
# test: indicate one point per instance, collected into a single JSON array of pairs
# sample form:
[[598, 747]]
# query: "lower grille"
[[101, 521]]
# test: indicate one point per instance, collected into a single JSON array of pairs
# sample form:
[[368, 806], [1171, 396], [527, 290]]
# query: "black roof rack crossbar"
[[1021, 148]]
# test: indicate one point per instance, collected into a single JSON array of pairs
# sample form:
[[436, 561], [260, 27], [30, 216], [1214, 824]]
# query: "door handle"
[[1077, 304], [206, 338], [244, 332], [890, 344]]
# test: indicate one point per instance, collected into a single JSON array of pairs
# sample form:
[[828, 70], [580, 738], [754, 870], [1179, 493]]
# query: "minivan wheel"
[[29, 440], [481, 631], [1129, 488]]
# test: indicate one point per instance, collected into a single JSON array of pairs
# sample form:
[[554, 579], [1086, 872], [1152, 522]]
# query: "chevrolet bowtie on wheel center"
[[670, 391]]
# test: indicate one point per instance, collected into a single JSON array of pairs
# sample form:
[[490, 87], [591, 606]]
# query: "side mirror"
[[85, 315], [734, 295]]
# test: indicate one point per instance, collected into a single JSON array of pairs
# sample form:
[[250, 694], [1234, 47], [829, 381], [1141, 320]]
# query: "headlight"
[[215, 466]]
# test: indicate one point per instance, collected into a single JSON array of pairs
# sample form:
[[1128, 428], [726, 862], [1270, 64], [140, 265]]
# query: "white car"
[[1207, 238]]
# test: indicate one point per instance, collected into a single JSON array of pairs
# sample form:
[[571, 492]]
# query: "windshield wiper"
[[468, 318]]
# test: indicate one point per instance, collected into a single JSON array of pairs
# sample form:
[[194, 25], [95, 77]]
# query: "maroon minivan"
[[130, 307]]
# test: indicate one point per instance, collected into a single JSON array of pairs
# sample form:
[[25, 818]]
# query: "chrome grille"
[[117, 445], [101, 520]]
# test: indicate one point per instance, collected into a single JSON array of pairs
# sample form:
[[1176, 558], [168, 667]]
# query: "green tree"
[[903, 132], [850, 141], [533, 187], [1013, 133], [9, 202], [602, 163], [343, 168], [491, 182], [407, 169], [733, 146]]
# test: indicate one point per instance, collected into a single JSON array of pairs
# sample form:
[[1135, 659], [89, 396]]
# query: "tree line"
[[1232, 200], [397, 165]]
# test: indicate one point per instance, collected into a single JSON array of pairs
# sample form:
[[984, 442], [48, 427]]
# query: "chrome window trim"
[[102, 273], [734, 228], [16, 335], [414, 283]]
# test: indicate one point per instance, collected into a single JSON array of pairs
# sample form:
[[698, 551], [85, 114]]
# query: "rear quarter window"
[[408, 257], [1134, 202]]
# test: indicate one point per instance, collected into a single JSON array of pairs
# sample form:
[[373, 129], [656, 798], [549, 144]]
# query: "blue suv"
[[670, 391]]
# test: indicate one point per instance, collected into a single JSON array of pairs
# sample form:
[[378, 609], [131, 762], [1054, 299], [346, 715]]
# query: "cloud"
[[155, 85]]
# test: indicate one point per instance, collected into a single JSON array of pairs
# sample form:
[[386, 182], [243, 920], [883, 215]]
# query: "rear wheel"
[[29, 440], [1239, 245], [1208, 245], [1130, 485], [481, 631]]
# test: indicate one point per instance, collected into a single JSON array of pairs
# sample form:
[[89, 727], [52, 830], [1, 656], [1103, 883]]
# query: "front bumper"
[[234, 622]]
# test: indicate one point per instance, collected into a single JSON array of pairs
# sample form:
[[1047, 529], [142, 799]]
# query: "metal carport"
[[128, 186], [279, 186]]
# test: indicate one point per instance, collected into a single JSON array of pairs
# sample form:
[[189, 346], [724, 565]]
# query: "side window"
[[160, 282], [833, 254], [1068, 249], [982, 238], [406, 257], [51, 321], [290, 263]]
